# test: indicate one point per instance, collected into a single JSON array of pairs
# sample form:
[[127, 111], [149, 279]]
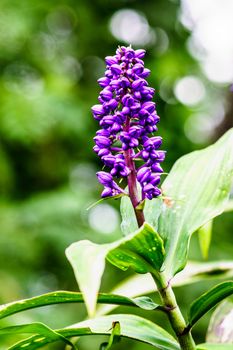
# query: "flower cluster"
[[127, 117]]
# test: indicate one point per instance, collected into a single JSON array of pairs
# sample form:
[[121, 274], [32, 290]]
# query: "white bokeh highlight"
[[131, 27], [189, 90], [199, 127], [103, 218], [211, 23]]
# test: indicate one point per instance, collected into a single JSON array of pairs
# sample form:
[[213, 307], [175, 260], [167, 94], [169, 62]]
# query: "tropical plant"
[[157, 224]]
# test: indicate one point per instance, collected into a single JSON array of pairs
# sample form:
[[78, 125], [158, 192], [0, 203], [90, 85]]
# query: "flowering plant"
[[156, 225], [127, 117]]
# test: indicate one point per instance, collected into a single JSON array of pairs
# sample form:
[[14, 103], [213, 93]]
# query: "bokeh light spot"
[[103, 218], [61, 22], [162, 41], [131, 27], [199, 128], [211, 41], [23, 79], [166, 91], [189, 90], [81, 176]]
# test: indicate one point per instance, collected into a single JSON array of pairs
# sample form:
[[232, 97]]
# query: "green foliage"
[[142, 251], [63, 297], [136, 285], [208, 300], [199, 187], [134, 327], [114, 337], [50, 60], [152, 210], [45, 332], [189, 207], [204, 236], [196, 190], [209, 346], [229, 206]]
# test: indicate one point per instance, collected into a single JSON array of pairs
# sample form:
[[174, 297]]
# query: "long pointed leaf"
[[194, 272], [133, 327], [61, 297], [198, 187], [45, 332], [208, 300], [195, 191]]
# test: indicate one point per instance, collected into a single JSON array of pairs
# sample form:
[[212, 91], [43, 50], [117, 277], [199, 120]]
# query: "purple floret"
[[127, 116]]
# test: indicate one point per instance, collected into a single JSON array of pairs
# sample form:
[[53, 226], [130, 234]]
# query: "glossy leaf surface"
[[194, 271], [196, 190], [198, 187], [45, 333], [61, 297], [208, 300], [114, 337], [134, 327], [142, 251], [152, 210]]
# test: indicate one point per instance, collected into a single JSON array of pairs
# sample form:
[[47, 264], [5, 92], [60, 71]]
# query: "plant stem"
[[132, 181], [174, 314], [166, 293], [132, 185]]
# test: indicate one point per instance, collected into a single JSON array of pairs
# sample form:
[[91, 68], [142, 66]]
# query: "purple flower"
[[110, 187], [127, 116]]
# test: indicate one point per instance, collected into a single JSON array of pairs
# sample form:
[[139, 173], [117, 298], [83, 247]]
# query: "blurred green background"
[[51, 54]]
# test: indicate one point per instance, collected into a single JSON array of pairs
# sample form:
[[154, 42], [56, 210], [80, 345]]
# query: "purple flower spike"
[[127, 116], [110, 187]]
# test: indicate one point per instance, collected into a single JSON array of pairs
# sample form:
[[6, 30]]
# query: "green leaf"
[[205, 232], [134, 327], [142, 250], [208, 300], [45, 333], [209, 346], [204, 236], [114, 337], [152, 210], [145, 303], [129, 222], [197, 190], [220, 328], [229, 206], [61, 297], [194, 271]]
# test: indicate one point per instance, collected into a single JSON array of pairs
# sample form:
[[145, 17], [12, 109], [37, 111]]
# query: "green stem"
[[166, 293], [175, 316]]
